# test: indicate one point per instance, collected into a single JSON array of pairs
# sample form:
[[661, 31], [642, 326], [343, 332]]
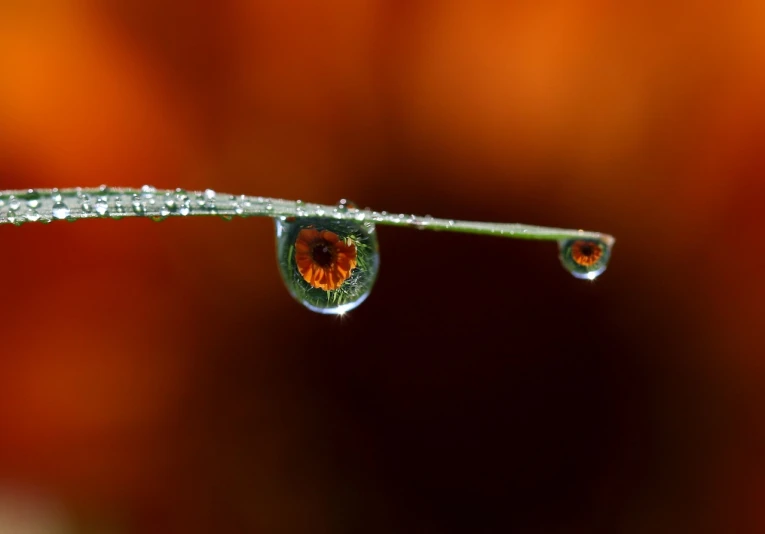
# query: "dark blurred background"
[[158, 378]]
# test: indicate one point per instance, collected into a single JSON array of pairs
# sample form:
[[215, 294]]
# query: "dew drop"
[[138, 206], [345, 205], [119, 208], [328, 265], [170, 204], [102, 207], [60, 211], [584, 258]]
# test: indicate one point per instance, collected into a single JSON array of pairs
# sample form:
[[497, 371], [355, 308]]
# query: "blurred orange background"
[[158, 377]]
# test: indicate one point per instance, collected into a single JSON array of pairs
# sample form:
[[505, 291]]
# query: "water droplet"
[[170, 204], [119, 208], [60, 211], [328, 265], [345, 205], [13, 204], [421, 222], [86, 207], [209, 194], [33, 215], [137, 205], [102, 207], [584, 258]]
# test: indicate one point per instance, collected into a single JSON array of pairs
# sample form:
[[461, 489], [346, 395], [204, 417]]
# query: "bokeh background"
[[158, 377]]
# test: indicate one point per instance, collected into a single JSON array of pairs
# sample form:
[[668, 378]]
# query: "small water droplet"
[[328, 265], [209, 194], [345, 205], [119, 208], [164, 212], [584, 258], [13, 204], [60, 211], [33, 215], [138, 206], [102, 206], [86, 207], [421, 222]]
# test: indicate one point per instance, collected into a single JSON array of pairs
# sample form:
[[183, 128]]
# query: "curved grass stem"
[[46, 205]]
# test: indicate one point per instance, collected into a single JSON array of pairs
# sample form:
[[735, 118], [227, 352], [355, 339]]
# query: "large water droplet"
[[584, 258], [328, 265]]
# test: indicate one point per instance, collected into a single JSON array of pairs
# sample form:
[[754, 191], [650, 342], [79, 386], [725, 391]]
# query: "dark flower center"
[[586, 250], [322, 254]]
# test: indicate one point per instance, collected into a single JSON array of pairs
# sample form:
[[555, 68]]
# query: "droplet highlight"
[[328, 265], [584, 258]]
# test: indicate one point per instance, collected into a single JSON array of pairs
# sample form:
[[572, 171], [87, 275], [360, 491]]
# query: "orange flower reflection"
[[323, 259], [586, 253]]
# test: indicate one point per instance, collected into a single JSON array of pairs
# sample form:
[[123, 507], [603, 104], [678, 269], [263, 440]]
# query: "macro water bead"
[[585, 258], [328, 265]]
